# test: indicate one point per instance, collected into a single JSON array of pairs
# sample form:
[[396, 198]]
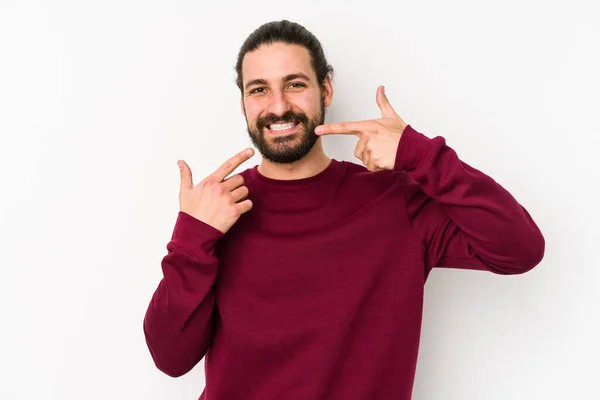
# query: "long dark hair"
[[290, 33]]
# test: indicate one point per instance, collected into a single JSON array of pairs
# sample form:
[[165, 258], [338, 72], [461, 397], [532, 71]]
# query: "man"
[[303, 277]]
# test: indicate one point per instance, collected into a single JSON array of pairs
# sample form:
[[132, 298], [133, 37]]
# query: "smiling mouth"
[[282, 127]]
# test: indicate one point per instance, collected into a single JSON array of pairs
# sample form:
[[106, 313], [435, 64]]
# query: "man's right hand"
[[216, 201]]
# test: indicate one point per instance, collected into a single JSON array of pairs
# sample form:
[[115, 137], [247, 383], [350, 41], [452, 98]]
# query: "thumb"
[[186, 175], [387, 111]]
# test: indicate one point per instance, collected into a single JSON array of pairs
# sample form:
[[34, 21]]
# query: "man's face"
[[282, 101]]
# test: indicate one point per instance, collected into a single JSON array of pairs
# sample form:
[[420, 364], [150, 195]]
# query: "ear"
[[242, 107], [327, 91]]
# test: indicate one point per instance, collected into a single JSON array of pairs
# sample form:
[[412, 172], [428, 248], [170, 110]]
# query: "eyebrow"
[[287, 78]]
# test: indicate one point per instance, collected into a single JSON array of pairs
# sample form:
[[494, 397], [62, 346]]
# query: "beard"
[[287, 148]]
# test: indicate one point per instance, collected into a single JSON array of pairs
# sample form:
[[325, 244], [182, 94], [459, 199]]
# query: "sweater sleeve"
[[463, 218], [177, 324]]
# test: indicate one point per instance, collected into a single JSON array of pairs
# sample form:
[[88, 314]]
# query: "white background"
[[98, 100]]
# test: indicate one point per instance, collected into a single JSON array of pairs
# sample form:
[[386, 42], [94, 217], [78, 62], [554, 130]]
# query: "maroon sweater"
[[317, 292]]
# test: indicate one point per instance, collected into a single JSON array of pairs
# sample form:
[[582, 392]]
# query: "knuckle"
[[232, 211], [217, 189]]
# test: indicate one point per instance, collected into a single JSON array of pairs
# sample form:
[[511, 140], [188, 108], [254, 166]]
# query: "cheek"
[[252, 112], [312, 104]]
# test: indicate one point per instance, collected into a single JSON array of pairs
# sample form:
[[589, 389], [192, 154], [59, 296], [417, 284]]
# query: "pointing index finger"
[[230, 165], [347, 128]]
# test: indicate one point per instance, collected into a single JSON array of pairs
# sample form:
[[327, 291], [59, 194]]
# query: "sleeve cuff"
[[194, 236], [413, 148]]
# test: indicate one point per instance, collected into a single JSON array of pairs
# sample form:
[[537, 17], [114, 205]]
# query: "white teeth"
[[281, 127]]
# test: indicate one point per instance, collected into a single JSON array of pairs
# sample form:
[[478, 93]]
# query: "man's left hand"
[[378, 138]]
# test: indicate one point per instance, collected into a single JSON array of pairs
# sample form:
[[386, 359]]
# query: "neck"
[[310, 165]]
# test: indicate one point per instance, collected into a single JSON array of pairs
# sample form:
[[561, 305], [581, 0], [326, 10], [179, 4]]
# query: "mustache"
[[289, 116]]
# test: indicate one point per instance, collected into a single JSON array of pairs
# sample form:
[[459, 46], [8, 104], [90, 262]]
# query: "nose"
[[279, 104]]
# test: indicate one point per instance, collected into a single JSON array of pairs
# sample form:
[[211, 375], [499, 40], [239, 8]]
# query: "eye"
[[296, 85], [257, 90]]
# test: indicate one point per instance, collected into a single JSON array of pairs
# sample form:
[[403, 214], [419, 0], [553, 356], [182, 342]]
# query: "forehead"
[[274, 61]]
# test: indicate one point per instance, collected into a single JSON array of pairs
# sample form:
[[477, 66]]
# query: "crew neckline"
[[319, 179]]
